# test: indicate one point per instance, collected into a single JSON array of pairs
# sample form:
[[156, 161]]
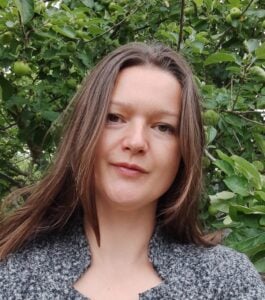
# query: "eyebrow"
[[162, 112]]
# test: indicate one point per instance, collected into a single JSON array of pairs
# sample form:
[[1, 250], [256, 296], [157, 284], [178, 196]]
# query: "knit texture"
[[47, 268]]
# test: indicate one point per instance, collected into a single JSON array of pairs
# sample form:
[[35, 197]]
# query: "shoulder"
[[19, 272], [215, 272], [227, 272], [46, 265]]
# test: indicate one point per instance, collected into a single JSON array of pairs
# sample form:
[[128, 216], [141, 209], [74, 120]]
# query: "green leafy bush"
[[240, 208], [46, 48]]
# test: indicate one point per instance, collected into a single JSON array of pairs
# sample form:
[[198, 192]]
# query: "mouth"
[[130, 168]]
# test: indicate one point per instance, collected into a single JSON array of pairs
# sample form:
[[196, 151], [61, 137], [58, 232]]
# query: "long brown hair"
[[68, 186]]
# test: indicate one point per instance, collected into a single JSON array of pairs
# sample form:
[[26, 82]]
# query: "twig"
[[148, 25], [17, 170], [243, 117], [238, 112], [209, 155], [228, 29], [252, 121], [5, 128], [23, 29], [234, 101], [181, 24], [11, 180], [231, 88], [237, 139], [247, 7], [4, 117], [116, 25]]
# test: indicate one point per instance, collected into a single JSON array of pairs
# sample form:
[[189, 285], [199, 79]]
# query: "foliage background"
[[46, 48]]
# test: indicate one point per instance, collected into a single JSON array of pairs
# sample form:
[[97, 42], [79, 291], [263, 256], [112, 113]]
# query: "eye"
[[166, 128], [113, 118]]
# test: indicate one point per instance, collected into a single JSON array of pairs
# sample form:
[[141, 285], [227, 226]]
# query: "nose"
[[135, 139]]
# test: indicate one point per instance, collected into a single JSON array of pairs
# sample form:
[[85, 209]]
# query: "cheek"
[[102, 149], [171, 161], [107, 142], [171, 153]]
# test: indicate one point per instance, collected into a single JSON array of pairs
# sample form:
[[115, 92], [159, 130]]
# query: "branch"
[[247, 7], [149, 25], [23, 29], [245, 118], [18, 171], [4, 117], [181, 23], [237, 139], [238, 112], [209, 155], [228, 29], [3, 129], [116, 25], [234, 101], [11, 180]]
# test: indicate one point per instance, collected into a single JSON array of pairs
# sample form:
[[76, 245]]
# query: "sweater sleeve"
[[244, 282], [14, 279]]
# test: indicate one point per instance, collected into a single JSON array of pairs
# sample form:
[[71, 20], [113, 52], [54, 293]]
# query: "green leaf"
[[234, 69], [94, 29], [248, 170], [224, 166], [251, 243], [50, 115], [260, 195], [3, 3], [262, 221], [227, 220], [46, 35], [219, 57], [249, 210], [17, 101], [257, 13], [26, 9], [235, 3], [65, 31], [88, 3], [251, 45], [260, 51], [224, 195], [86, 59], [198, 2], [234, 120], [237, 185], [218, 202], [7, 89], [260, 265], [260, 141], [211, 133], [218, 205], [10, 24], [209, 4], [259, 208], [225, 157]]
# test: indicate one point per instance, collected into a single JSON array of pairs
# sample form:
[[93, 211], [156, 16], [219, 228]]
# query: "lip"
[[130, 167]]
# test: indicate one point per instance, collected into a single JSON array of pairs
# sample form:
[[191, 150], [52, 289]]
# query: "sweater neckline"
[[156, 248]]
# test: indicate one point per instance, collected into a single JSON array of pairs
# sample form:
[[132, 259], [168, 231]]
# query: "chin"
[[129, 203]]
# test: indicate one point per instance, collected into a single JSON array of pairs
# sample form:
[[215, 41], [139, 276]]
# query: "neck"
[[124, 236]]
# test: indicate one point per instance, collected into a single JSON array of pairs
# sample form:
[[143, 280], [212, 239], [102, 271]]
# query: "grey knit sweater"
[[47, 268]]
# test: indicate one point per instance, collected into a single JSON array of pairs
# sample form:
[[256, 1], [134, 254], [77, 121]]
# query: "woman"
[[116, 216]]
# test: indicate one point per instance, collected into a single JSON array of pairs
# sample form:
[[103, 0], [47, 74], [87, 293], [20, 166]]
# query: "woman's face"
[[138, 154]]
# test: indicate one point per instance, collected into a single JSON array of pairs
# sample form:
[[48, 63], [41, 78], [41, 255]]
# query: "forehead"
[[147, 74], [147, 87]]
